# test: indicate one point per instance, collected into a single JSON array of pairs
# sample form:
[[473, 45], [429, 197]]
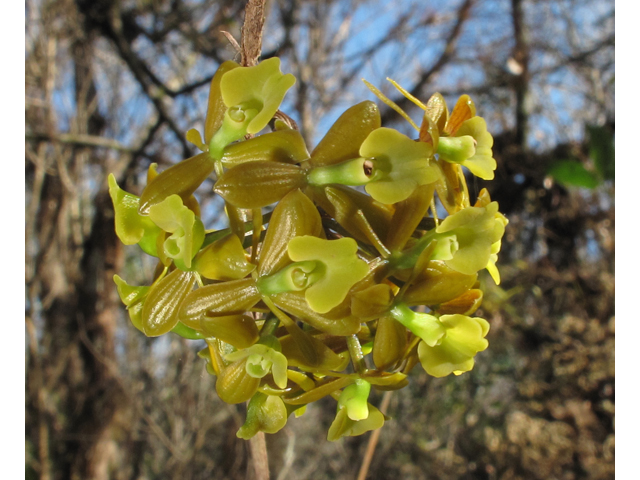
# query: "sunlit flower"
[[262, 358], [475, 229], [265, 413], [261, 88], [399, 165], [252, 96], [131, 227], [463, 338], [187, 230], [329, 268], [470, 146], [343, 425]]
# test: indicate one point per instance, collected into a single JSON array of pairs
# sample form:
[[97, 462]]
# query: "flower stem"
[[373, 439], [259, 456], [351, 172], [355, 351], [270, 325]]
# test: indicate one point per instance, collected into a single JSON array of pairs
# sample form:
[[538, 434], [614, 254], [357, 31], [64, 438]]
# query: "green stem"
[[304, 341], [408, 258], [350, 172], [423, 325], [255, 235], [270, 325], [212, 236], [355, 351]]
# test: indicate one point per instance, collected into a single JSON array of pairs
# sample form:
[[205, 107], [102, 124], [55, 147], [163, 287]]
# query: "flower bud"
[[237, 330], [345, 136], [465, 304], [224, 259], [235, 385], [258, 184], [343, 426], [160, 311], [265, 413], [180, 179], [436, 284], [389, 343], [225, 298], [335, 322], [295, 215], [283, 146]]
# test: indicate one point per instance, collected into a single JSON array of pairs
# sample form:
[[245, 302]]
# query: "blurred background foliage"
[[112, 86]]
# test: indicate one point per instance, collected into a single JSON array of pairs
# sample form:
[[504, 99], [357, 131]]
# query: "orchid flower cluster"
[[336, 273]]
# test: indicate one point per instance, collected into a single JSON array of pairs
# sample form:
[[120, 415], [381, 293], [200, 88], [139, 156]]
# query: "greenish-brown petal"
[[389, 343], [224, 259], [369, 303], [284, 146], [437, 111], [463, 110], [181, 179], [429, 132], [438, 284], [343, 204], [258, 184], [216, 107], [295, 215], [323, 357], [465, 304], [451, 187], [407, 216], [225, 298], [327, 387], [160, 311], [342, 141], [335, 322], [385, 379], [235, 385], [237, 330]]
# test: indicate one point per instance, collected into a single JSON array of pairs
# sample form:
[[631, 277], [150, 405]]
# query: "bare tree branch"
[[252, 27], [443, 59]]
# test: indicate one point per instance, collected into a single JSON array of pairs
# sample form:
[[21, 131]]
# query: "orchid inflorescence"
[[317, 297]]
